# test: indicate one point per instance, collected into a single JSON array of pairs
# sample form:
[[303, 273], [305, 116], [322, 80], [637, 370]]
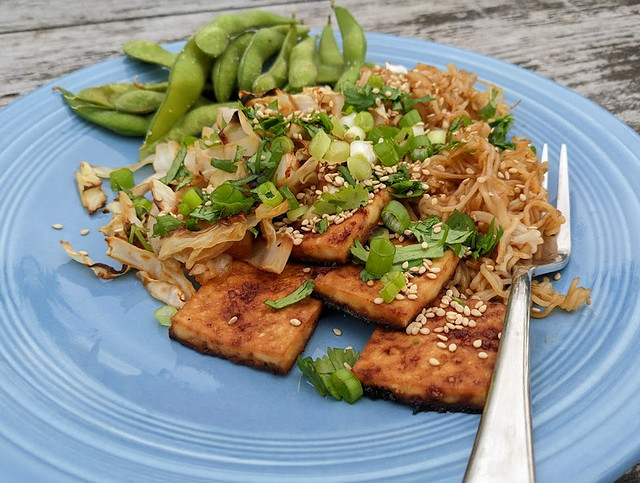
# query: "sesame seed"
[[432, 275], [295, 322], [442, 337], [483, 355], [424, 245], [412, 296], [557, 276], [434, 362], [337, 332], [378, 300], [425, 330], [452, 347], [306, 269], [472, 323], [57, 226], [232, 320], [84, 232], [442, 345], [477, 343]]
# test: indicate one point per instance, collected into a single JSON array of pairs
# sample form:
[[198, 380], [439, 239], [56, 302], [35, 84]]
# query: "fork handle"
[[503, 449]]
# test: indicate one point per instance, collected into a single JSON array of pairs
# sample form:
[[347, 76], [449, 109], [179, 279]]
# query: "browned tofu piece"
[[429, 372], [229, 319], [343, 287], [334, 245]]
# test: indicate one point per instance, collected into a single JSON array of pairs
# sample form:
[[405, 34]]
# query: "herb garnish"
[[330, 374], [302, 292]]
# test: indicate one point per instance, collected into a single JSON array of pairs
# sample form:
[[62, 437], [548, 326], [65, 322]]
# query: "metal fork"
[[503, 449]]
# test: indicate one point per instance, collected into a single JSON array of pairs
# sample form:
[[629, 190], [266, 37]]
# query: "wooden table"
[[592, 47]]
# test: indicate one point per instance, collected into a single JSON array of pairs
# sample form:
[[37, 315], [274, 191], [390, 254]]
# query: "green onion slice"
[[380, 259], [393, 282], [348, 385], [359, 167], [386, 152], [269, 194], [411, 118], [164, 314], [337, 153], [282, 144], [192, 198], [319, 144], [121, 179], [364, 120], [395, 217]]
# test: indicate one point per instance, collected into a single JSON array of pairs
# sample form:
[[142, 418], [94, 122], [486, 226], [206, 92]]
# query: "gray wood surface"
[[592, 47]]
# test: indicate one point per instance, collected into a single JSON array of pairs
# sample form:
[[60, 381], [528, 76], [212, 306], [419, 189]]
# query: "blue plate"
[[93, 389]]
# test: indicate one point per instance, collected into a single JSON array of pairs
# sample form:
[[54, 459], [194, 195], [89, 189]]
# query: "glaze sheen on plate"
[[92, 388]]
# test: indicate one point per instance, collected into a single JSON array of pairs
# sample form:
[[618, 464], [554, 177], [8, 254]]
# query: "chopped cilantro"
[[178, 172], [322, 226], [362, 98], [489, 111], [166, 224], [345, 199]]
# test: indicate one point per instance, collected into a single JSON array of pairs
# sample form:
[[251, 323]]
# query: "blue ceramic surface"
[[92, 388]]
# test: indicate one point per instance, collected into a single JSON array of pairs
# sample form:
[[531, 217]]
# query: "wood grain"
[[592, 47]]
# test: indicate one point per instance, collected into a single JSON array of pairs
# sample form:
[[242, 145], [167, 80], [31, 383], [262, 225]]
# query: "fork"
[[503, 448]]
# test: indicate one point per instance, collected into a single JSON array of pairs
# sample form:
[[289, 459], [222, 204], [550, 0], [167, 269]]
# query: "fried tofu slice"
[[228, 318], [441, 371], [334, 245], [343, 287]]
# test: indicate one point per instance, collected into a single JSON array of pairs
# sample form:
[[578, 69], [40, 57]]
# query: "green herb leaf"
[[166, 224], [345, 199], [499, 132], [322, 226], [302, 292], [489, 111]]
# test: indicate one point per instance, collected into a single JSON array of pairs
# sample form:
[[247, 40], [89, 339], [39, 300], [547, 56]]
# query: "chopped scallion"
[[269, 194], [319, 144], [282, 144], [348, 385], [359, 167], [364, 120], [410, 118], [163, 314], [337, 153], [380, 259], [386, 152], [396, 217]]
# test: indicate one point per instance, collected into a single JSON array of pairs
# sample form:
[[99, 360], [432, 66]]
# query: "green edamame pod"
[[354, 46], [328, 74], [149, 52], [276, 75], [214, 37], [139, 101], [190, 124], [302, 69], [266, 43], [328, 51], [119, 122], [186, 82], [103, 96], [224, 74]]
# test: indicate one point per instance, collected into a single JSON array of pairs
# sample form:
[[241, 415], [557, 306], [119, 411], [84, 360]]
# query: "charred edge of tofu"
[[419, 405], [346, 310], [244, 361]]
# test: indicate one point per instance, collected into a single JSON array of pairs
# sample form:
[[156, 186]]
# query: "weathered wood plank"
[[591, 47]]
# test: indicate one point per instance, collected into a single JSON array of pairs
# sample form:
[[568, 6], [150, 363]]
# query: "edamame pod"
[[328, 51], [276, 76], [302, 69], [103, 96], [214, 37], [328, 74], [266, 43], [139, 101], [190, 124], [354, 48], [119, 122], [224, 74], [186, 82], [149, 52]]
